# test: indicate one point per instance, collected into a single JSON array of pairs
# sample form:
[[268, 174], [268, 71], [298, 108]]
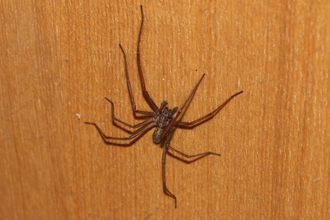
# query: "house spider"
[[164, 119]]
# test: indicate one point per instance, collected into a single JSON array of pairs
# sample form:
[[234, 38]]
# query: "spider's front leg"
[[138, 60], [129, 87]]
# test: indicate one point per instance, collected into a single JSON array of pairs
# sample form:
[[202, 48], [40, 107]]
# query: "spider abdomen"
[[156, 137]]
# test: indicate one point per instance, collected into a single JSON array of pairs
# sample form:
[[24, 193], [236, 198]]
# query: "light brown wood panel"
[[61, 58]]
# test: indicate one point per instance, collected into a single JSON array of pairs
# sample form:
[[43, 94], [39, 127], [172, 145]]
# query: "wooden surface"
[[61, 58]]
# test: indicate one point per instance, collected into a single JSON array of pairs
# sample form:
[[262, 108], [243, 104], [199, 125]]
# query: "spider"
[[164, 119]]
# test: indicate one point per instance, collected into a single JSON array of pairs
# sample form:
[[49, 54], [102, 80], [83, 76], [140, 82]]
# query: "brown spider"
[[162, 118]]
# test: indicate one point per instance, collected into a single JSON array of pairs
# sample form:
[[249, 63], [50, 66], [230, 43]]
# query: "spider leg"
[[168, 147], [135, 134], [144, 90], [166, 191], [174, 121], [130, 88], [190, 156], [124, 123], [206, 117]]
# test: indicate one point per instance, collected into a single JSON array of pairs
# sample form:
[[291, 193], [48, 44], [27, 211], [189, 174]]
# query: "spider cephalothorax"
[[161, 117], [162, 121]]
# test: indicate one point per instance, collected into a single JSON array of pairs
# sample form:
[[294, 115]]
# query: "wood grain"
[[61, 58]]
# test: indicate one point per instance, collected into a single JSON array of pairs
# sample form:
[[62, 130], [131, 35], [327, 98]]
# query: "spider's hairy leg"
[[138, 60], [166, 144], [135, 134], [114, 118], [165, 150], [129, 87], [191, 156], [174, 121], [208, 116]]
